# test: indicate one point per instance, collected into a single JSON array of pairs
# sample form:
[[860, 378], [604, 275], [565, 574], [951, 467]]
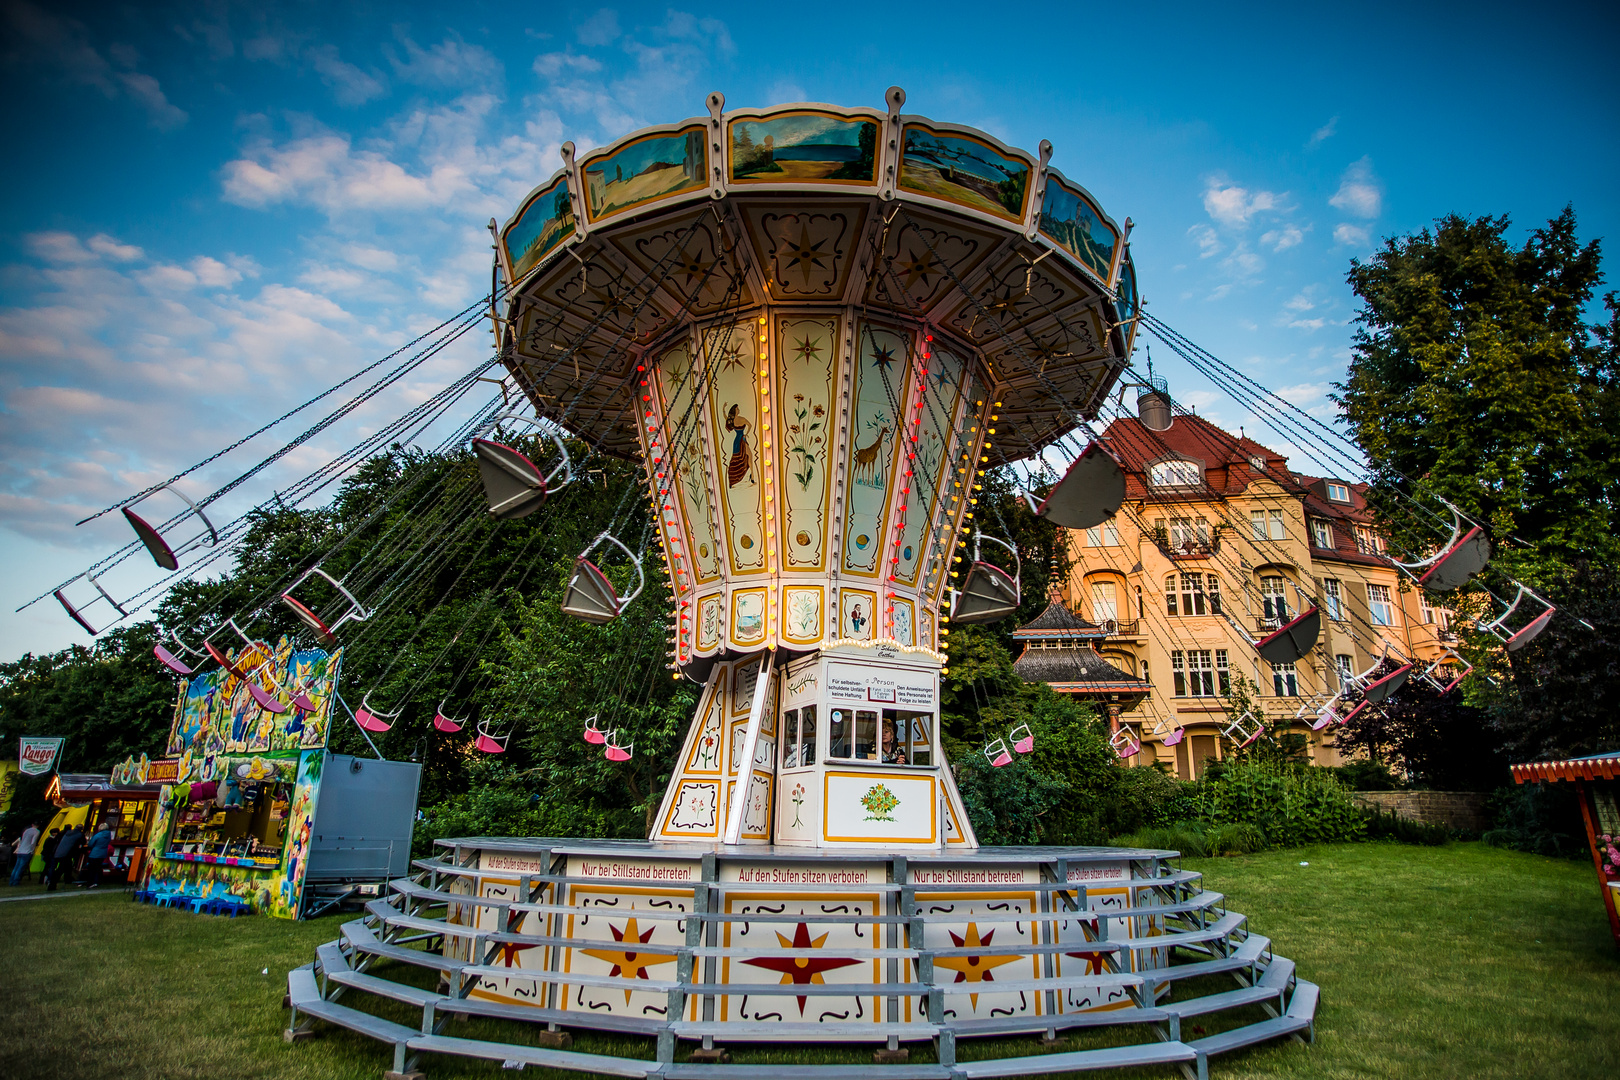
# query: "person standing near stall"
[[47, 855], [95, 856], [25, 852], [67, 849]]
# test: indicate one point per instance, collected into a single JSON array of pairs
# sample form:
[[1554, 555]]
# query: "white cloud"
[[43, 37], [1283, 238], [555, 64], [1208, 241], [1301, 302], [1323, 133], [1243, 263], [600, 29], [451, 63], [350, 85], [370, 258], [1351, 235], [1360, 194], [1233, 206], [325, 171], [102, 244]]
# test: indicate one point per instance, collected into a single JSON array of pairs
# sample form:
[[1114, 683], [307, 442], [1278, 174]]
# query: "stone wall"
[[1463, 810]]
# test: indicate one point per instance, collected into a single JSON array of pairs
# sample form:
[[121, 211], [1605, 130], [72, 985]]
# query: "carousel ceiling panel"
[[686, 257], [921, 253], [1051, 344], [1015, 294], [804, 250]]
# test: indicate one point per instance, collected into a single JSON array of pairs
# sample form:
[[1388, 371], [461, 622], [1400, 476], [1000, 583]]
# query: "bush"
[[1367, 776], [1541, 819], [1388, 825], [1197, 840], [1288, 805]]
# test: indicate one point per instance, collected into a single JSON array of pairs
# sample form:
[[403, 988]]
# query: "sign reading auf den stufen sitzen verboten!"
[[36, 757]]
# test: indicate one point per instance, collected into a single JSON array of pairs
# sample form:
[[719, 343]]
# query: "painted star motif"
[[692, 266], [801, 970], [808, 350], [627, 962], [510, 950], [882, 358], [916, 269], [973, 969], [732, 355], [805, 255], [1094, 961]]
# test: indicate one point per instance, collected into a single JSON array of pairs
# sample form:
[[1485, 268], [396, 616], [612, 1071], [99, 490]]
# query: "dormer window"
[[1338, 492], [1177, 474], [1257, 463]]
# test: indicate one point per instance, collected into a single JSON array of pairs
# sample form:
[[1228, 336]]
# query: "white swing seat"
[[594, 734], [306, 615], [996, 753], [491, 744], [1091, 491], [171, 661], [614, 751], [1025, 743], [156, 545], [1125, 743], [1461, 561], [513, 484], [1245, 730], [1380, 690], [988, 594], [1524, 635], [1293, 639]]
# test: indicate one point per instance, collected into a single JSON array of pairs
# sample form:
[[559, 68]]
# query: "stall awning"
[[1597, 767], [86, 787]]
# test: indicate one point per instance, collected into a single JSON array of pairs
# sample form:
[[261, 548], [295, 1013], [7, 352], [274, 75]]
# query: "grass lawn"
[[1433, 962]]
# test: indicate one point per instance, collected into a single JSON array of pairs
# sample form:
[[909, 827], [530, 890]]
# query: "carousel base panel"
[[683, 950]]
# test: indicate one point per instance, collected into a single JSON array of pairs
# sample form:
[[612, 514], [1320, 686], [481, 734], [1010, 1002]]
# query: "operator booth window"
[[799, 737], [887, 736]]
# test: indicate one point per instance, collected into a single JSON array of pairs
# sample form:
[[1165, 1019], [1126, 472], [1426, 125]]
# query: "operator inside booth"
[[888, 736]]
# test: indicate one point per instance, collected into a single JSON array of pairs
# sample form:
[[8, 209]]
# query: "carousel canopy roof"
[[930, 225]]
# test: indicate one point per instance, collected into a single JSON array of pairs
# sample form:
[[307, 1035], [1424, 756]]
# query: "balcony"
[[1178, 547], [1116, 628]]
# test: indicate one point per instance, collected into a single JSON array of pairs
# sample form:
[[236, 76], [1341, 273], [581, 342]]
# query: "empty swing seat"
[[1378, 692], [158, 547], [590, 595], [1090, 493], [988, 594], [170, 661], [1293, 640], [1460, 562], [513, 484], [445, 724]]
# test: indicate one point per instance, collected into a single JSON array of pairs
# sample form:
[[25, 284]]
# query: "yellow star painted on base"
[[973, 968], [627, 962]]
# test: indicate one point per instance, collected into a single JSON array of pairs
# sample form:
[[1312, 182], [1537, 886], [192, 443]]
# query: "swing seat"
[[267, 701], [1355, 712], [615, 752], [302, 702], [1378, 692], [490, 744], [1239, 732], [170, 661], [1175, 736], [158, 547], [996, 753], [514, 486], [1024, 743], [593, 734], [223, 661], [445, 724], [1454, 683], [988, 594], [1325, 716], [1530, 630], [1090, 492], [370, 721], [590, 595], [1460, 562], [1125, 743], [1293, 639], [309, 618]]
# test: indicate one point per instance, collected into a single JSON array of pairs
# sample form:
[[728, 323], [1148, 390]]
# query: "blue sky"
[[213, 211]]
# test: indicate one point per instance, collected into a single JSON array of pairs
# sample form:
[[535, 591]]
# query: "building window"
[[1333, 599], [1170, 595], [1104, 603], [1193, 673], [1367, 541], [1322, 533], [1176, 474], [1343, 663], [1145, 677], [1104, 535], [1267, 524], [1285, 680], [1141, 608], [1192, 595], [1378, 602], [1223, 672], [1213, 588], [1185, 533], [1433, 616], [1273, 596], [1338, 492]]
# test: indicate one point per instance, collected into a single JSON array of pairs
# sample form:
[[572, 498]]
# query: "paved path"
[[103, 891]]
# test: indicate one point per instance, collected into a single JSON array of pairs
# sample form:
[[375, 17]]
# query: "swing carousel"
[[817, 330]]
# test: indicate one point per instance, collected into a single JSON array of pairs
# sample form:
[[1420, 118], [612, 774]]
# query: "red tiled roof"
[[1597, 767]]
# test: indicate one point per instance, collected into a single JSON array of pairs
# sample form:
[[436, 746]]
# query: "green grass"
[[1460, 960]]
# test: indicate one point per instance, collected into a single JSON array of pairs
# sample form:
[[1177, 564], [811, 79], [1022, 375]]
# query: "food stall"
[[1597, 787], [88, 799]]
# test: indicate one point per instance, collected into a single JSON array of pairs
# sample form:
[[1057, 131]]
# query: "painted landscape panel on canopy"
[[964, 170], [1074, 223], [736, 432], [681, 436], [880, 377], [807, 360], [543, 223], [1129, 302], [803, 146], [935, 446], [648, 168]]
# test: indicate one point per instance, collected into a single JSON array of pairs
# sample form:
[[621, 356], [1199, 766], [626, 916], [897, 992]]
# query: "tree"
[[1476, 373], [1438, 742]]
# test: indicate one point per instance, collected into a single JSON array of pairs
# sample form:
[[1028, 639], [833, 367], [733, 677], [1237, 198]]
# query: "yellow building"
[[1218, 544]]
